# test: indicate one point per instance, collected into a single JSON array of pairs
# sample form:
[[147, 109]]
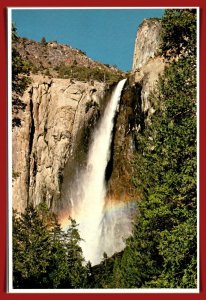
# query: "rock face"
[[120, 169], [48, 56], [147, 65], [147, 77], [147, 42], [136, 109], [56, 110]]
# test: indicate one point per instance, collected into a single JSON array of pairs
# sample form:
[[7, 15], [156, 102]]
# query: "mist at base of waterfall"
[[102, 228], [116, 227]]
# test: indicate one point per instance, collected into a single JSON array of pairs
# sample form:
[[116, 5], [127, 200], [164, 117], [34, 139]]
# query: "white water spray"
[[89, 196]]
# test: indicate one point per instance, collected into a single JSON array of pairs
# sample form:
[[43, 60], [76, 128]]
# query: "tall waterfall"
[[88, 197]]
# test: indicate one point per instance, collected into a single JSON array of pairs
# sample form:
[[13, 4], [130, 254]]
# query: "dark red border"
[[3, 149]]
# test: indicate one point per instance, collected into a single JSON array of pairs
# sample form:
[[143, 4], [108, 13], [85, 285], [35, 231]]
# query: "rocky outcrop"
[[120, 169], [147, 42], [56, 111], [147, 77], [147, 63], [135, 111], [47, 57]]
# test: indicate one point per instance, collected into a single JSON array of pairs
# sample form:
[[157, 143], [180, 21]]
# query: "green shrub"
[[84, 73]]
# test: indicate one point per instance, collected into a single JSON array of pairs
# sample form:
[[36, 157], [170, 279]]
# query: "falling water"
[[88, 199]]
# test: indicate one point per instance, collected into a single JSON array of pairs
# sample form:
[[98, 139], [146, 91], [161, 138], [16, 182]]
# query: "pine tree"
[[77, 272], [44, 256], [20, 79], [43, 41], [31, 250]]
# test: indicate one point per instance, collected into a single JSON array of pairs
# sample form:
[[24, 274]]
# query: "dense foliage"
[[82, 73], [161, 253], [20, 79], [179, 32], [162, 250], [45, 256]]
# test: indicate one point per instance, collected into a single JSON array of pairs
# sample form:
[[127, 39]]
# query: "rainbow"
[[112, 208]]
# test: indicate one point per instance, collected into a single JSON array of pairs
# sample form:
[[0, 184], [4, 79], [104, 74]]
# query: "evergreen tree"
[[20, 67], [44, 256], [31, 250], [77, 274], [179, 32], [101, 275], [43, 41], [20, 79]]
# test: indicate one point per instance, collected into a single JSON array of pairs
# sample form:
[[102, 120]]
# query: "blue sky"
[[106, 35]]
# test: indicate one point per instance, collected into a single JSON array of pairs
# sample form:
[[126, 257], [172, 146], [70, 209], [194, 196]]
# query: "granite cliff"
[[56, 110], [135, 109], [60, 114]]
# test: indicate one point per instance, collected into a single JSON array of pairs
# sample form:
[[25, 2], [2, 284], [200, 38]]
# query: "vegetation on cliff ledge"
[[83, 73]]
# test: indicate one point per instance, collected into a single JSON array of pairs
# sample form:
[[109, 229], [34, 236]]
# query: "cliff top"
[[147, 42], [149, 21], [63, 61]]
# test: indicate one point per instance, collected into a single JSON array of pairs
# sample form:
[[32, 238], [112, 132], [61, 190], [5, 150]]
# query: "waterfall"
[[88, 197]]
